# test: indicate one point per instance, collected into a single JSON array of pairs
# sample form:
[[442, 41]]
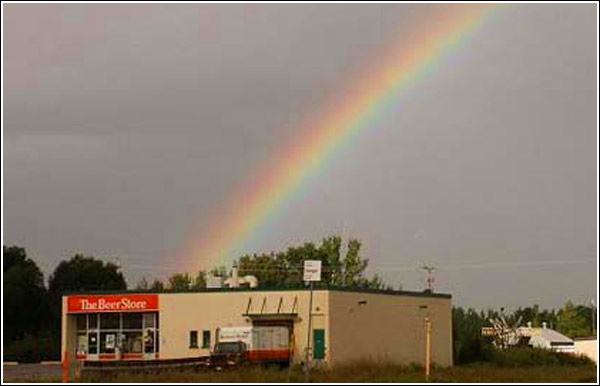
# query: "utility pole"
[[427, 341], [307, 360], [312, 273], [429, 269], [427, 347]]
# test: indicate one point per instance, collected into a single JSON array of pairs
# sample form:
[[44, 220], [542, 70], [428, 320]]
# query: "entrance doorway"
[[319, 344], [117, 336], [270, 320]]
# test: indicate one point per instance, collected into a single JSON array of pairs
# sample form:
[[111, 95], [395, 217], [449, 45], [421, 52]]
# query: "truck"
[[237, 346]]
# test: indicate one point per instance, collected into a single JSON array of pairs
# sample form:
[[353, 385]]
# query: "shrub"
[[32, 349], [528, 356], [24, 350]]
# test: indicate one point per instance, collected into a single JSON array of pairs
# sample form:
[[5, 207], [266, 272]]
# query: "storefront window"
[[82, 341], [149, 321], [81, 321], [92, 321], [109, 321], [132, 321], [132, 342], [108, 341], [134, 333]]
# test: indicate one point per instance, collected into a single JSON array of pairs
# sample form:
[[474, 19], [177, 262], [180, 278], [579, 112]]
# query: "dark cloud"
[[125, 125]]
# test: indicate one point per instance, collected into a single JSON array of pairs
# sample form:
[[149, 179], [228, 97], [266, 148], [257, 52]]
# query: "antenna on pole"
[[430, 280], [342, 255]]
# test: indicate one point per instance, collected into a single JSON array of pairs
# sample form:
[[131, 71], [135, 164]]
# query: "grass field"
[[369, 372], [356, 372]]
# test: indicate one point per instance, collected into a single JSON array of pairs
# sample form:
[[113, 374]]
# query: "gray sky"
[[125, 124]]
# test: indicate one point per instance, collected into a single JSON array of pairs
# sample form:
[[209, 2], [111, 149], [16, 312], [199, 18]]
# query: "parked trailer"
[[251, 344]]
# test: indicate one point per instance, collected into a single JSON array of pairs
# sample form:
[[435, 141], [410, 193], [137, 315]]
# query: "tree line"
[[284, 269], [574, 321], [32, 309]]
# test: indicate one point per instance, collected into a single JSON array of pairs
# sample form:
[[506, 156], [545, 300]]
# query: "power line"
[[390, 268]]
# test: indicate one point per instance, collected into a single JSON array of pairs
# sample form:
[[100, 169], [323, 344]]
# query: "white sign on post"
[[312, 270]]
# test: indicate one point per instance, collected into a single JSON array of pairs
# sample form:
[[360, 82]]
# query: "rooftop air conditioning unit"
[[234, 281]]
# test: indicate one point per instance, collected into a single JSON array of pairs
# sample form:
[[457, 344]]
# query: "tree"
[[220, 271], [268, 268], [180, 282], [469, 345], [24, 295], [157, 286], [572, 321], [550, 317], [200, 281], [284, 269], [586, 313], [530, 315], [13, 256], [142, 284], [82, 273]]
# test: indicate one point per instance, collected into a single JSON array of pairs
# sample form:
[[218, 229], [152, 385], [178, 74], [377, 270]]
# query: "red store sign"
[[112, 303]]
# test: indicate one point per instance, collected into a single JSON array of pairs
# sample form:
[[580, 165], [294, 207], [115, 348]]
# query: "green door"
[[319, 344]]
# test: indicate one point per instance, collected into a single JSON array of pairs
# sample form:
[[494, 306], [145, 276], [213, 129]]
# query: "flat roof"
[[425, 294]]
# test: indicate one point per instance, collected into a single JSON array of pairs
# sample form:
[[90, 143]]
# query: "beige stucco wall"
[[388, 328], [588, 347], [181, 313], [68, 333]]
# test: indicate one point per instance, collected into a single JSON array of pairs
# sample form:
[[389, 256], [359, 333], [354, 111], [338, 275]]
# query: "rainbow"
[[377, 91]]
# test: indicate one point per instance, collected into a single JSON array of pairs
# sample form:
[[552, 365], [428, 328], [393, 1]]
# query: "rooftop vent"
[[234, 281]]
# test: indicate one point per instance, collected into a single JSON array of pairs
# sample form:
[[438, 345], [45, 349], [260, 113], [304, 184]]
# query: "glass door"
[[82, 338], [110, 326], [93, 338]]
